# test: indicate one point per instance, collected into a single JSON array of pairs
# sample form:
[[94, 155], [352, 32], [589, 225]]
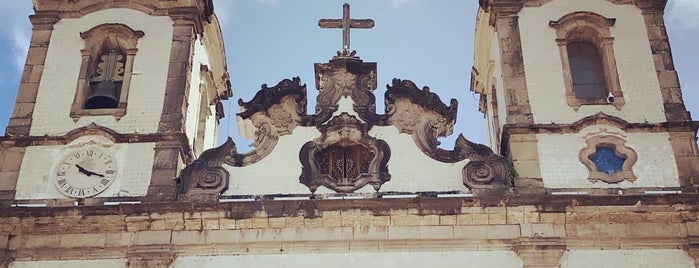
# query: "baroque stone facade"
[[575, 182]]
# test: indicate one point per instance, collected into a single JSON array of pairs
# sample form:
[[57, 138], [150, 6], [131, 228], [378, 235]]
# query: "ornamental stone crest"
[[345, 146], [345, 158]]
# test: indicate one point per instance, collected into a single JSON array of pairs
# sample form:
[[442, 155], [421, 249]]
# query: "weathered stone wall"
[[540, 231]]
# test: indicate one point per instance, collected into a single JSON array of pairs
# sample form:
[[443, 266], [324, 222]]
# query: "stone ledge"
[[314, 208]]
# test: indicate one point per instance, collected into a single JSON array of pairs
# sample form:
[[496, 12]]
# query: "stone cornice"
[[198, 11], [65, 139], [510, 7], [601, 118], [502, 6], [428, 204]]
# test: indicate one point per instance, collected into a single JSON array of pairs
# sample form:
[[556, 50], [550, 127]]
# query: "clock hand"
[[96, 174], [83, 170], [87, 172]]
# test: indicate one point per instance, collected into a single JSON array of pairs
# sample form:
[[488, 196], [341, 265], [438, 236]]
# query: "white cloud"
[[225, 12], [268, 2], [20, 45], [17, 31], [400, 3], [684, 13]]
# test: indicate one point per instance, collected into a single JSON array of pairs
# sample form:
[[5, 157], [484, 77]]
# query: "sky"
[[429, 42]]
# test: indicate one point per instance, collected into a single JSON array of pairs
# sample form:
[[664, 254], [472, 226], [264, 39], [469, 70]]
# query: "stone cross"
[[346, 23]]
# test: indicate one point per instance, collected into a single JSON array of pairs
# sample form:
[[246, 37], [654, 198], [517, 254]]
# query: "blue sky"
[[429, 42]]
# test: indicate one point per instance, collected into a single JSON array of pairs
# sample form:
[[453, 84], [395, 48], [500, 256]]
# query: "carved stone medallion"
[[345, 158]]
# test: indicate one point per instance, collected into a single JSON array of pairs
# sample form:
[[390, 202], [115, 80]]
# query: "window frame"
[[620, 148], [95, 41], [594, 29]]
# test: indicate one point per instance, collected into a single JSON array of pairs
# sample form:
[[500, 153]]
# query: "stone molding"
[[92, 129], [201, 10], [164, 231], [620, 148], [514, 6], [601, 119]]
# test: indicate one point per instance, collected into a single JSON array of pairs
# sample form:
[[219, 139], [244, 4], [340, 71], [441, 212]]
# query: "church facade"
[[110, 159]]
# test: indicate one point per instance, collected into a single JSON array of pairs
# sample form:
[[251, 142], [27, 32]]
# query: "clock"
[[85, 172]]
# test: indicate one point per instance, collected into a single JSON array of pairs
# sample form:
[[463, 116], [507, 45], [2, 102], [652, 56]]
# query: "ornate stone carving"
[[345, 158], [424, 98], [273, 112], [345, 78], [267, 97], [486, 170], [205, 175]]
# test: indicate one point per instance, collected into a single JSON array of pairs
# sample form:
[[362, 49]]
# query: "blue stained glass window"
[[607, 161]]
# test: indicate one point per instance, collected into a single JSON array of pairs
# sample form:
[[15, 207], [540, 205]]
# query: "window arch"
[[105, 72], [587, 56]]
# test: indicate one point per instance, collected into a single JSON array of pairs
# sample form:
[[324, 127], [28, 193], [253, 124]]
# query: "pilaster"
[[541, 252], [506, 23], [6, 257], [21, 120], [693, 249], [156, 257], [169, 155], [675, 109]]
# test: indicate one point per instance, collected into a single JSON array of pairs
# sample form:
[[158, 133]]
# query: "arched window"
[[105, 72], [586, 71], [587, 58]]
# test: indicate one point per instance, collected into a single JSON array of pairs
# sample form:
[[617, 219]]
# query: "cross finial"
[[346, 23]]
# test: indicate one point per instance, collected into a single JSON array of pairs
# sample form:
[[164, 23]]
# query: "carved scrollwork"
[[424, 98], [205, 175], [485, 169], [422, 114], [268, 96], [345, 158], [273, 112]]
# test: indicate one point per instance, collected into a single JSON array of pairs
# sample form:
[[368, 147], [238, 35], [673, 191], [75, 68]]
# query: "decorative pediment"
[[345, 145]]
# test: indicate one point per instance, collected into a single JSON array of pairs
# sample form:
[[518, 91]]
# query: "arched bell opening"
[[105, 84]]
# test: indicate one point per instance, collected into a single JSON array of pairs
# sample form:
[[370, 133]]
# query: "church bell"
[[104, 95]]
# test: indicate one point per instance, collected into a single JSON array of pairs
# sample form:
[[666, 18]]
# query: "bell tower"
[[583, 96], [116, 97]]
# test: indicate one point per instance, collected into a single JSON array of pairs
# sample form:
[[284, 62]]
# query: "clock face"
[[85, 172]]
